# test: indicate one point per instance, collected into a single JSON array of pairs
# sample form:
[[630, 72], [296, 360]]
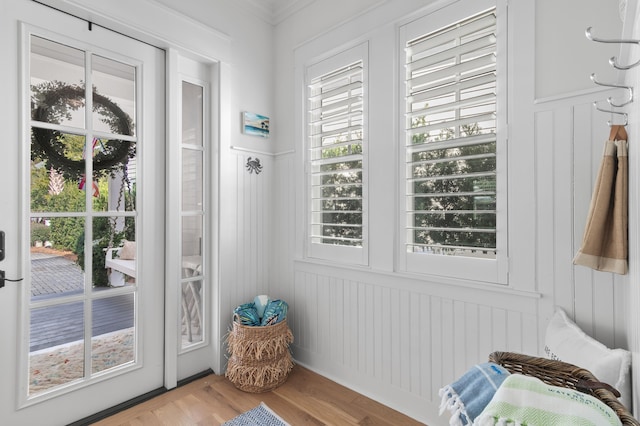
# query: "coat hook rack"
[[608, 111], [614, 63], [591, 37], [617, 86]]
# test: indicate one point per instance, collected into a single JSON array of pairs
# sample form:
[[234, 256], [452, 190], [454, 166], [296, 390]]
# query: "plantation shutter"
[[451, 139], [335, 107]]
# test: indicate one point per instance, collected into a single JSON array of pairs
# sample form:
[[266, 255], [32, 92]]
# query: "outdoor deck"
[[56, 276]]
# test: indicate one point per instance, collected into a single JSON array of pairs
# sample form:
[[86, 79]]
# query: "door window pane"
[[191, 180], [115, 252], [57, 83], [57, 170], [112, 342], [191, 311], [55, 270], [192, 114], [56, 349], [114, 99], [114, 175]]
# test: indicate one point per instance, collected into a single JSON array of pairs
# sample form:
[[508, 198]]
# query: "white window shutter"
[[336, 157], [451, 140]]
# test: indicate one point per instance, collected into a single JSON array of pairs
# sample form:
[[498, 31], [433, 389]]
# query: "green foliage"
[[343, 191], [454, 191], [39, 232]]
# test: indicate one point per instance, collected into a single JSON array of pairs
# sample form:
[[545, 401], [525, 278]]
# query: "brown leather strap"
[[618, 133]]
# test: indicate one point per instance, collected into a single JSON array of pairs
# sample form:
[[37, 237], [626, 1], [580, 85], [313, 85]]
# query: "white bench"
[[119, 268]]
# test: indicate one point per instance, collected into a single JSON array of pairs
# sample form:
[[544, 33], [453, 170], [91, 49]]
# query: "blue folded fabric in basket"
[[247, 314], [469, 395], [274, 312]]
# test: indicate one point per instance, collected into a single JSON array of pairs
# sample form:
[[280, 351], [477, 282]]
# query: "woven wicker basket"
[[557, 373], [260, 359]]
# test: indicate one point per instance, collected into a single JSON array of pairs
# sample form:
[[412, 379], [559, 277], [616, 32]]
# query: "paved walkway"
[[56, 276], [51, 275]]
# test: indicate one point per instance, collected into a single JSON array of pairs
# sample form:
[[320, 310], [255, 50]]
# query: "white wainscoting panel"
[[400, 340], [245, 230], [570, 137]]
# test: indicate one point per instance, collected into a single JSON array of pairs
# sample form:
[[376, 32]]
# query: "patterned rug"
[[259, 416], [65, 363]]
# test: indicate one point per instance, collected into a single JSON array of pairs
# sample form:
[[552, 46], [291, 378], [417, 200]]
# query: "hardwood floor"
[[306, 398]]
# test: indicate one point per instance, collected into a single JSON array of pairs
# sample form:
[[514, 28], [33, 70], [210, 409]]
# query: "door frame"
[[192, 360]]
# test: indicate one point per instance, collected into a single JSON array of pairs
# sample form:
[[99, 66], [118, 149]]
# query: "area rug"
[[259, 416], [65, 363]]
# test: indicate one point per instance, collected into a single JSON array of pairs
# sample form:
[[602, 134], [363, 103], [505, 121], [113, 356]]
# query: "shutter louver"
[[451, 139], [335, 106]]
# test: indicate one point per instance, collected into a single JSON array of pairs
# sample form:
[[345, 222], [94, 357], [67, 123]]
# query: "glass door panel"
[[192, 231], [56, 354], [83, 231], [114, 97], [57, 72]]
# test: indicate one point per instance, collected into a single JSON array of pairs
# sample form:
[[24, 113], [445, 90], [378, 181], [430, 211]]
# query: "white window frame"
[[357, 255], [465, 268]]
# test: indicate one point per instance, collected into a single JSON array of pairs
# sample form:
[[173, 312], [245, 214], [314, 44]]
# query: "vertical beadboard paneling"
[[569, 143], [253, 204], [529, 345], [425, 359], [406, 314], [323, 295], [485, 345], [561, 151], [498, 329], [395, 342], [460, 348], [281, 247], [437, 347], [472, 331], [544, 203], [369, 331], [415, 351], [311, 310], [584, 176], [402, 341], [386, 337], [514, 331]]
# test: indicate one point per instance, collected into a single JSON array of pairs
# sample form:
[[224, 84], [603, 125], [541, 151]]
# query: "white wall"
[[398, 338]]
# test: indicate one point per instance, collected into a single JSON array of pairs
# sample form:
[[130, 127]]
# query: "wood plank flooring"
[[306, 398]]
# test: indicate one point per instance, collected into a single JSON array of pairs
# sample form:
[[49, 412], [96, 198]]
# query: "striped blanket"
[[466, 397], [524, 400]]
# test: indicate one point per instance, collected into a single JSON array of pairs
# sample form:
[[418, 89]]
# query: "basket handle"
[[586, 386]]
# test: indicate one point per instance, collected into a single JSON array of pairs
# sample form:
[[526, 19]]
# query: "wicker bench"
[[119, 268], [557, 373]]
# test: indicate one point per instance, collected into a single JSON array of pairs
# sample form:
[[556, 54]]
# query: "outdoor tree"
[[454, 190]]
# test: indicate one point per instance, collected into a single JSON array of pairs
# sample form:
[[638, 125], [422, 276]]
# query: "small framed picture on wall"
[[255, 124]]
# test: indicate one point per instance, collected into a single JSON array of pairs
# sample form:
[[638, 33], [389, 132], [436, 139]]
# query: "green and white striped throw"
[[527, 401]]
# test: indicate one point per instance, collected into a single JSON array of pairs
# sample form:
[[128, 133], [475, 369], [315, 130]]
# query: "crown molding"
[[273, 11]]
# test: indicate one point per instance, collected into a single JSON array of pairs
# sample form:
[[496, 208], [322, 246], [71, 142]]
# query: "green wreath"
[[50, 103]]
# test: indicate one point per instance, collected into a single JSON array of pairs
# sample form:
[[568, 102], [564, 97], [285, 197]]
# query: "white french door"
[[192, 172], [88, 175]]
